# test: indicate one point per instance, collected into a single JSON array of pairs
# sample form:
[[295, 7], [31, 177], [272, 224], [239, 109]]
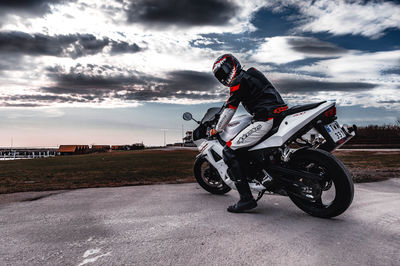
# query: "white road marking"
[[91, 252]]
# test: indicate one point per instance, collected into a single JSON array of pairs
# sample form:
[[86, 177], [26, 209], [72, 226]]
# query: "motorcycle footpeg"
[[269, 184]]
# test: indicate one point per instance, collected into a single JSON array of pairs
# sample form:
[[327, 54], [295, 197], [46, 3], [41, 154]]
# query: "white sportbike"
[[294, 159]]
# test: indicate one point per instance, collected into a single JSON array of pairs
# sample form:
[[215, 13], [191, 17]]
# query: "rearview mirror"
[[187, 116]]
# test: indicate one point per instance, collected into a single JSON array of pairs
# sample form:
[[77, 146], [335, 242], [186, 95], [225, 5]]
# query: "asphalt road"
[[184, 225]]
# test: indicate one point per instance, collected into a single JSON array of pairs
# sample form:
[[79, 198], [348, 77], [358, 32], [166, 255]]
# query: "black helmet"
[[226, 68]]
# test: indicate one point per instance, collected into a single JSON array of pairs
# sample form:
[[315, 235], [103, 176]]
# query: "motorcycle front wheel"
[[334, 191], [208, 177]]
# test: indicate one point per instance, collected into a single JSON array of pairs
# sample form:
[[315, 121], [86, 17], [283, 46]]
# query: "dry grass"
[[97, 170], [151, 167], [371, 166]]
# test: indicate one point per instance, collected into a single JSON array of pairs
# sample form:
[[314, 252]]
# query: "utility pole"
[[182, 136], [164, 139]]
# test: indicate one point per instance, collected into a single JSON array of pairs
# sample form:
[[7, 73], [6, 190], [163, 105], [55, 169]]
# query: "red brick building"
[[73, 149]]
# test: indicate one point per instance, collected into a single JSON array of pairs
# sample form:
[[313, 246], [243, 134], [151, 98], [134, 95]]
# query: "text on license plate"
[[335, 131]]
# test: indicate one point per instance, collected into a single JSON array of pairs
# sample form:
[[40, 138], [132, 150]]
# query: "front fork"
[[212, 150]]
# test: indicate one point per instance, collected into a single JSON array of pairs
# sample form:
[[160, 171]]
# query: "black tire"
[[208, 177], [334, 174]]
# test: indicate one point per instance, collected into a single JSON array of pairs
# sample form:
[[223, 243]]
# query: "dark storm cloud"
[[186, 80], [4, 104], [124, 47], [32, 7], [102, 76], [82, 78], [84, 82], [314, 46], [73, 45], [74, 90], [27, 4], [308, 86], [147, 95], [184, 84], [181, 12], [389, 101], [39, 100], [9, 62]]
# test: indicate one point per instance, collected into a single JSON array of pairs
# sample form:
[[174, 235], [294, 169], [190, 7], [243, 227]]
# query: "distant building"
[[188, 139], [73, 149], [178, 144], [119, 147], [100, 148], [137, 146]]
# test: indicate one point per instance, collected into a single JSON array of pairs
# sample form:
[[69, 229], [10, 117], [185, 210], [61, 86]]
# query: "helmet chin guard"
[[226, 68]]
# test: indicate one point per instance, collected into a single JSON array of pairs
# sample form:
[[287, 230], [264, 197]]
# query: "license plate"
[[335, 131]]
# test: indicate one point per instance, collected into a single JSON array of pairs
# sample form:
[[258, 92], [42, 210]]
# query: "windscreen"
[[210, 114]]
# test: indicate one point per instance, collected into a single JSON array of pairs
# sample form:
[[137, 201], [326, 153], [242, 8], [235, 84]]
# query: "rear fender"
[[291, 125], [329, 145]]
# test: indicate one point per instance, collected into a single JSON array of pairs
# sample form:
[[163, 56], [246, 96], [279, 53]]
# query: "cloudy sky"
[[124, 71]]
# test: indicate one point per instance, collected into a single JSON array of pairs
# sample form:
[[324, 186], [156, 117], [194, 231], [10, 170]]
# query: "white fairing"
[[290, 125], [199, 142], [213, 145], [206, 148], [237, 124]]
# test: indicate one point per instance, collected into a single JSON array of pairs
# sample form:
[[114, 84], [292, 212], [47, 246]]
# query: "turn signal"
[[331, 112]]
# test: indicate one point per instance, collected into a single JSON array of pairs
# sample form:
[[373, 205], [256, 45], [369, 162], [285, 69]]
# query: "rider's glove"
[[213, 132]]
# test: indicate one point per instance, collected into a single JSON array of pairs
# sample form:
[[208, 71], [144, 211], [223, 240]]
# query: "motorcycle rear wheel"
[[333, 175], [208, 177]]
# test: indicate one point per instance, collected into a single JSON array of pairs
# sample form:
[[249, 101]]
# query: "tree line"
[[373, 134]]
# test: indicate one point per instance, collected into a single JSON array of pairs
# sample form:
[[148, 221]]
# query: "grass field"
[[149, 167], [370, 166]]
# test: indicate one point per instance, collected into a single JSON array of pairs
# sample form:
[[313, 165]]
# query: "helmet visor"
[[222, 74]]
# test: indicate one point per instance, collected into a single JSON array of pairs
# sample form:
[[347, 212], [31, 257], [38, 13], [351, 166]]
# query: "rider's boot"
[[246, 202]]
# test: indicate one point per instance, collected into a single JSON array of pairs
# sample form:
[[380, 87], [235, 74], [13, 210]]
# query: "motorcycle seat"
[[295, 109], [301, 108]]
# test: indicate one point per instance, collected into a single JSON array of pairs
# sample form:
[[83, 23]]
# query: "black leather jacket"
[[257, 95]]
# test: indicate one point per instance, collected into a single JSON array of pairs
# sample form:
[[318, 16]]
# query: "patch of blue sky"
[[283, 23], [269, 23], [387, 42], [293, 67], [230, 42], [395, 71]]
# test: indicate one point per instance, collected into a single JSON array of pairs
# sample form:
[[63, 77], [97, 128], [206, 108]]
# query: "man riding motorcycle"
[[262, 101]]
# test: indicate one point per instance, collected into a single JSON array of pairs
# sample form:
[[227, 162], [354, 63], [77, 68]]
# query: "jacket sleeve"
[[234, 99], [232, 104]]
